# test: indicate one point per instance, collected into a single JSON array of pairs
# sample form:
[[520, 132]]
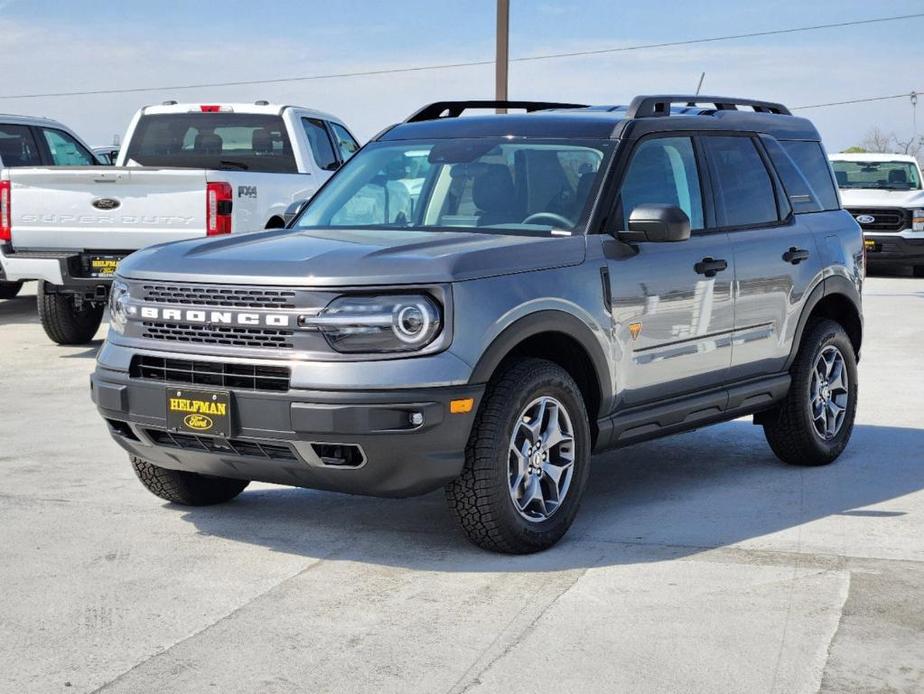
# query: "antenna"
[[700, 85]]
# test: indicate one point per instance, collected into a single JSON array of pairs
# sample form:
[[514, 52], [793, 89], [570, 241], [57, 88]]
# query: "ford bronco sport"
[[480, 303]]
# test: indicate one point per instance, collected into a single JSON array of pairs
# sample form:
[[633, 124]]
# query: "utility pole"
[[501, 59]]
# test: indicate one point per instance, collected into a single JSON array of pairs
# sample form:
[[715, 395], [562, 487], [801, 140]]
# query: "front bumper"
[[893, 249], [279, 437]]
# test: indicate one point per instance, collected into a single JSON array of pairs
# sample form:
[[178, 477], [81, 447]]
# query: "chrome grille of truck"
[[218, 335], [217, 295], [886, 219], [210, 373]]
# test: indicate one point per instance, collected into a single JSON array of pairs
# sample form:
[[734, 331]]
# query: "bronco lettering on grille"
[[273, 320]]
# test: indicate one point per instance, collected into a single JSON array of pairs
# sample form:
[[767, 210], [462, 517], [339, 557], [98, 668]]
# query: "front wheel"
[[813, 424], [186, 488], [64, 321], [526, 462]]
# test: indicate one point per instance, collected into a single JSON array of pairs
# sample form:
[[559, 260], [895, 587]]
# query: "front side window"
[[663, 171], [345, 142], [495, 185], [17, 146], [877, 175], [743, 189], [319, 141], [65, 150], [214, 140]]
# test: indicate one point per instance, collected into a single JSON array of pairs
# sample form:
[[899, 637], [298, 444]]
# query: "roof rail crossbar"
[[660, 105], [454, 109]]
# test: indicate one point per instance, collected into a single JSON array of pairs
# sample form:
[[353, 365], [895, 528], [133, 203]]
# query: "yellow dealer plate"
[[203, 412]]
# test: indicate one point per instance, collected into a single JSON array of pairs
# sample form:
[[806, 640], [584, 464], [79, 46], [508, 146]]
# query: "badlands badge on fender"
[[204, 412]]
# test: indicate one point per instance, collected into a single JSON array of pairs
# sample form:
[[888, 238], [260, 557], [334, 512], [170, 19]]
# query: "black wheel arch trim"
[[550, 320], [835, 285]]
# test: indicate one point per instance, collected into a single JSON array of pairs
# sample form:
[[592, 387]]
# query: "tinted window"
[[232, 141], [65, 150], [743, 189], [17, 146], [811, 159], [663, 170], [320, 143], [799, 191], [345, 142]]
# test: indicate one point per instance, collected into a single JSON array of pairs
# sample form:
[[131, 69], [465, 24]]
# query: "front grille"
[[218, 295], [238, 447], [218, 335], [209, 373], [887, 218]]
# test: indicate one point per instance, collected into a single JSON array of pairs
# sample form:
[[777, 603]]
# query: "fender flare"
[[555, 321], [835, 285]]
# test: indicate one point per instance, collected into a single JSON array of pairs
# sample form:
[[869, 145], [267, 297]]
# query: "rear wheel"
[[64, 321], [186, 488], [9, 289], [526, 462], [813, 424]]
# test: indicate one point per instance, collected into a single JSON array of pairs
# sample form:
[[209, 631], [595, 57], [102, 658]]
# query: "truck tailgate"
[[105, 207]]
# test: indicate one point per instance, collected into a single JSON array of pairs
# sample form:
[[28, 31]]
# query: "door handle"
[[710, 266], [795, 255]]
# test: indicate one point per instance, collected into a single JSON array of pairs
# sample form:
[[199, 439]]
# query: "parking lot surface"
[[698, 563]]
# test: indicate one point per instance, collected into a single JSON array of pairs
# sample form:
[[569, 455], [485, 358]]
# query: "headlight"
[[118, 306], [370, 324]]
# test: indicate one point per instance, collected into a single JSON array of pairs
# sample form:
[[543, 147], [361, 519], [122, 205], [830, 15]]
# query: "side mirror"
[[656, 223], [292, 211]]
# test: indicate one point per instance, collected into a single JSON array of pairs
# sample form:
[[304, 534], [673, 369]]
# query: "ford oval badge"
[[105, 203], [865, 219]]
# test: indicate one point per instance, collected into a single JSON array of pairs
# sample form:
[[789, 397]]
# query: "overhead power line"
[[474, 63], [863, 100]]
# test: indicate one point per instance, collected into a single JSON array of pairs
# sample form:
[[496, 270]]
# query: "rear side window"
[[319, 141], [743, 188], [813, 162], [17, 146], [65, 150], [801, 195], [217, 140]]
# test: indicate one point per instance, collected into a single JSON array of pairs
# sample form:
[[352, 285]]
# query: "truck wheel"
[[64, 323], [9, 289], [813, 424], [526, 462], [186, 488]]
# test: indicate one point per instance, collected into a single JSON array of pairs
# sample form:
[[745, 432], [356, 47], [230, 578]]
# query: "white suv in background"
[[30, 141]]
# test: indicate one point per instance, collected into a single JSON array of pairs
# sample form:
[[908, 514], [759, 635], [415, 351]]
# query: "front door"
[[672, 302]]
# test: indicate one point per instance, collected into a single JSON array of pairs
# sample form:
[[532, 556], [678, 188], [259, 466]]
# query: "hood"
[[351, 257], [871, 197]]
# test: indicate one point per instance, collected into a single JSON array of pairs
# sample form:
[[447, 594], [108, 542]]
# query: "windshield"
[[493, 185], [231, 141], [883, 175]]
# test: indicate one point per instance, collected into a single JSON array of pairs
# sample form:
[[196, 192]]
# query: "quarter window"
[[812, 160], [345, 142], [65, 150], [664, 171], [320, 143], [17, 146], [743, 189]]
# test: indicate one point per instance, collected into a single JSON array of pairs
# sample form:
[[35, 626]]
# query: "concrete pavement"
[[697, 564]]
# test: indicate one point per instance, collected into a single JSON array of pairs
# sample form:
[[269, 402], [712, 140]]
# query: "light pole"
[[500, 64]]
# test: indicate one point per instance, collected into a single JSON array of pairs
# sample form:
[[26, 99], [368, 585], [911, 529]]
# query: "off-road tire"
[[186, 488], [480, 497], [8, 290], [788, 428], [63, 322]]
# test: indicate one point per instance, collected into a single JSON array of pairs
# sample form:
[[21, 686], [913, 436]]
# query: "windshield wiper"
[[239, 164]]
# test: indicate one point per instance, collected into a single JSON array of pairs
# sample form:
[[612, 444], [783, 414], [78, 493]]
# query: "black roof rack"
[[453, 109], [660, 105]]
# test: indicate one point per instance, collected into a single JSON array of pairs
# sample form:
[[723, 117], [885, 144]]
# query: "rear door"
[[673, 300], [776, 259]]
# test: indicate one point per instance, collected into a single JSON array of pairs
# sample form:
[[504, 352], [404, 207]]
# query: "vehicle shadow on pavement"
[[650, 502]]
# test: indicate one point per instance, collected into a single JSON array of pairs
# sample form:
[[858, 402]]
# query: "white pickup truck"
[[184, 171], [884, 193]]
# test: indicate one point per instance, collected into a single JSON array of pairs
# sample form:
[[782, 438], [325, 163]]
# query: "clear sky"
[[70, 45]]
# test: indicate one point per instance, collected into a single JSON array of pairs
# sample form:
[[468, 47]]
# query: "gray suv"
[[479, 303]]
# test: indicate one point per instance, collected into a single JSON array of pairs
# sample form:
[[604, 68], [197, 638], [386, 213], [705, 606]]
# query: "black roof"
[[575, 121]]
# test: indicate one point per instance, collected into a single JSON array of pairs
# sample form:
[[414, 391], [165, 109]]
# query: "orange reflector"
[[461, 406]]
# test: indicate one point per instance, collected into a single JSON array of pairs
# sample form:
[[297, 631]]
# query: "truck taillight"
[[6, 225], [218, 201]]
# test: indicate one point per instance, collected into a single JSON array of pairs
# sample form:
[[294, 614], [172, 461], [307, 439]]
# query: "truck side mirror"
[[656, 223], [292, 211]]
